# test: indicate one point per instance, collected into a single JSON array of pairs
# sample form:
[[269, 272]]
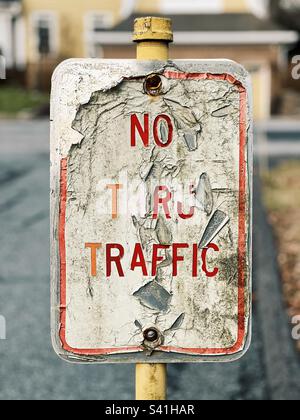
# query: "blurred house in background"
[[242, 30], [12, 35], [60, 29], [288, 13], [237, 30]]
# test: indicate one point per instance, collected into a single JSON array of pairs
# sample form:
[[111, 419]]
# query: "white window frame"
[[91, 36], [191, 6], [259, 8], [52, 18], [6, 46], [106, 15], [127, 8], [264, 70]]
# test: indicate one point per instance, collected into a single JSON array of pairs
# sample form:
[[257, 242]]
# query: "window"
[[45, 33], [95, 23], [101, 21], [191, 6]]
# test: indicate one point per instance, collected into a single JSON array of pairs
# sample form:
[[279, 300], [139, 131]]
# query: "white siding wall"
[[127, 7], [14, 54], [259, 7], [20, 52], [191, 6], [6, 38]]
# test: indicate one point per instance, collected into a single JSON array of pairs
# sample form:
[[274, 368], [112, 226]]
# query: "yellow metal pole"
[[153, 36], [151, 382]]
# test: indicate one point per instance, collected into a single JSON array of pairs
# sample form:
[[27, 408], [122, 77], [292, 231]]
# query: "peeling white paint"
[[92, 101]]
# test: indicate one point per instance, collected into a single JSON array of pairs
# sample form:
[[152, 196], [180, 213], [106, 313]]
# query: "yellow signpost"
[[151, 179], [153, 36]]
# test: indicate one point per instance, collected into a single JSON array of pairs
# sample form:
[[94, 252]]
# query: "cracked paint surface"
[[191, 313]]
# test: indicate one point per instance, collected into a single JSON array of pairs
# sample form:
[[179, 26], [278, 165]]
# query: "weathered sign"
[[151, 211]]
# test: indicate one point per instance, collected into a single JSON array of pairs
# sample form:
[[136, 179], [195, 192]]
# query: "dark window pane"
[[44, 40]]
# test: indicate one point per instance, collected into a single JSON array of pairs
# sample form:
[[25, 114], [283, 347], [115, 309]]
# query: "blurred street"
[[29, 369]]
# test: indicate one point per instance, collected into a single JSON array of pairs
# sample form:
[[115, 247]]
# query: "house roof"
[[210, 29], [287, 13]]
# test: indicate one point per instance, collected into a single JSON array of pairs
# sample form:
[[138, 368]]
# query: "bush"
[[14, 100]]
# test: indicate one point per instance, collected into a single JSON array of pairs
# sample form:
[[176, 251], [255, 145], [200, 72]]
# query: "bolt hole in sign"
[[151, 211]]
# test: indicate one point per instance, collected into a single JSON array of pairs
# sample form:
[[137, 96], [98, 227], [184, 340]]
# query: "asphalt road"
[[29, 369]]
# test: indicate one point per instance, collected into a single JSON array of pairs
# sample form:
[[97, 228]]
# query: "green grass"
[[282, 187], [14, 100], [282, 199]]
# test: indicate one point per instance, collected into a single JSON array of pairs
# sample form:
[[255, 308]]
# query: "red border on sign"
[[241, 242]]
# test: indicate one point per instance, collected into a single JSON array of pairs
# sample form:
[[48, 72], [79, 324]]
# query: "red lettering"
[[157, 258], [110, 259], [138, 259], [195, 260], [157, 138], [204, 260], [162, 201], [183, 215], [93, 248], [143, 132], [115, 189], [177, 258]]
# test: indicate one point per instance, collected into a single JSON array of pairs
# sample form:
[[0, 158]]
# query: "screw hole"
[[153, 85], [151, 335]]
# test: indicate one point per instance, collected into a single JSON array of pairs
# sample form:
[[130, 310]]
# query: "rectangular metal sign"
[[151, 177]]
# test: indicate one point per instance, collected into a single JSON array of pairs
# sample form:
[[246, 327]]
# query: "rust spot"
[[229, 270], [153, 85]]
